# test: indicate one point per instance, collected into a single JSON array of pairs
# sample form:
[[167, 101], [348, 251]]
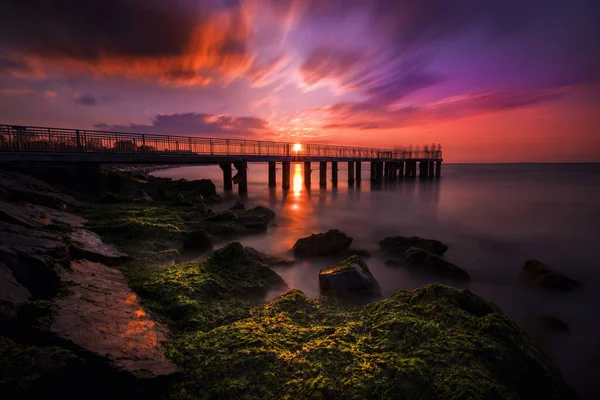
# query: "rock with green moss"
[[423, 261], [232, 223], [398, 245], [348, 277], [267, 259], [331, 242], [433, 343], [538, 274]]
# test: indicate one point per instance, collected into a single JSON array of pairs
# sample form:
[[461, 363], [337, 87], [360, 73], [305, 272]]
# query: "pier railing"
[[39, 139]]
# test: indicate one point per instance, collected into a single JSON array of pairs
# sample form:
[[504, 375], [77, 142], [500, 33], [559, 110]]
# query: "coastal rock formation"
[[12, 294], [424, 261], [36, 216], [23, 188], [197, 240], [351, 276], [89, 246], [267, 259], [239, 222], [436, 342], [538, 274], [201, 187], [398, 245], [333, 241]]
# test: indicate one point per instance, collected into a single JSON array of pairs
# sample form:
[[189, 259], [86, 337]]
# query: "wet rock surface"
[[104, 316], [24, 188], [331, 242], [398, 245], [89, 246], [36, 216], [351, 276], [12, 294], [538, 274], [239, 222], [267, 259], [422, 261]]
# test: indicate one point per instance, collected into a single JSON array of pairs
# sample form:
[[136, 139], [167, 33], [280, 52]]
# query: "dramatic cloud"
[[197, 124]]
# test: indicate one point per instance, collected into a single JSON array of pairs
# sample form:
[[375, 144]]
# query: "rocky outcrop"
[[239, 222], [420, 260], [331, 242], [538, 274], [12, 294], [36, 216], [102, 315], [89, 246], [267, 259], [398, 245], [202, 187], [351, 276], [23, 188]]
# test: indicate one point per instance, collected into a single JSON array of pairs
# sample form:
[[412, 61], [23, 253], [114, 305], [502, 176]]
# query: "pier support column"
[[285, 174], [307, 173], [386, 169], [227, 183], [241, 178], [358, 171], [350, 171], [411, 169], [393, 169], [401, 169], [438, 169], [323, 173], [423, 169], [334, 172], [431, 169], [373, 170], [376, 170], [272, 174]]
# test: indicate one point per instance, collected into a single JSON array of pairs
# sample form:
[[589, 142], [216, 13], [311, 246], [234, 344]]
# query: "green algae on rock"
[[433, 343], [349, 277]]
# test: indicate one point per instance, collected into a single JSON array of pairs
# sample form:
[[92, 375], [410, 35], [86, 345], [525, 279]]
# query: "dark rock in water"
[[348, 277], [197, 240], [225, 216], [203, 187], [183, 203], [110, 198], [554, 323], [238, 206], [398, 245], [12, 294], [102, 315], [331, 242], [267, 259], [240, 222], [90, 246], [261, 212], [431, 263], [538, 274]]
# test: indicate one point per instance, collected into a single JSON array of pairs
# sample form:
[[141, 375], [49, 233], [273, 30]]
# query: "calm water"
[[493, 218]]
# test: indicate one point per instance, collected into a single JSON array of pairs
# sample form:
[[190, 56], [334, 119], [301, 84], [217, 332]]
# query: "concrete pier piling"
[[285, 174], [358, 176], [376, 170], [334, 172], [411, 169], [272, 174], [350, 171], [438, 169], [401, 169], [323, 173], [241, 178], [307, 171], [227, 176]]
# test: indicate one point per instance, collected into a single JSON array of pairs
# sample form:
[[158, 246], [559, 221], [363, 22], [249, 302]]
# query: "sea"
[[493, 217]]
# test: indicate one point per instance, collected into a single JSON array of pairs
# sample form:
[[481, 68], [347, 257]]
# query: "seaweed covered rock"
[[197, 240], [333, 241], [433, 343], [398, 245], [351, 276], [239, 222], [538, 274], [424, 261]]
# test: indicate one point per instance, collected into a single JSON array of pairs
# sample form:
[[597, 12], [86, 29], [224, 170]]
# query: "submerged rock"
[[425, 261], [90, 246], [238, 206], [333, 241], [538, 274], [398, 245], [554, 323], [348, 277]]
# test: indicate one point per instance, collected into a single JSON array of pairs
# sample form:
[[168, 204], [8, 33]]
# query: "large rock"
[[36, 216], [398, 245], [331, 242], [238, 206], [197, 240], [267, 259], [424, 261], [348, 277], [239, 222], [12, 294], [202, 187], [88, 245], [538, 274], [26, 189], [102, 315]]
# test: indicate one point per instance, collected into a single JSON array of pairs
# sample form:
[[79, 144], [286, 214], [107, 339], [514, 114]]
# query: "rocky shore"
[[97, 301]]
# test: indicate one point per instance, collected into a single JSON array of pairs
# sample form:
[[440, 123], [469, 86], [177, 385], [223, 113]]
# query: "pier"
[[55, 145]]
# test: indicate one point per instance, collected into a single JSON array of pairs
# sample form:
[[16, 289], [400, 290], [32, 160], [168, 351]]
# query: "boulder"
[[422, 260], [36, 216], [238, 206], [348, 277], [398, 245], [89, 246], [267, 259], [26, 189], [331, 242], [538, 274], [197, 240], [554, 323], [240, 222], [12, 294], [202, 187]]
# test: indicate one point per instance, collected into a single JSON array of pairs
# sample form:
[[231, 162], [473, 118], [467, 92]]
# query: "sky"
[[491, 81]]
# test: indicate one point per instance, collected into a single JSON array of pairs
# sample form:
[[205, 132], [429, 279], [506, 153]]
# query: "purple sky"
[[480, 77]]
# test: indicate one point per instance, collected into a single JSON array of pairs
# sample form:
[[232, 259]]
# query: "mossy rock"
[[331, 242], [348, 277], [434, 343], [398, 245]]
